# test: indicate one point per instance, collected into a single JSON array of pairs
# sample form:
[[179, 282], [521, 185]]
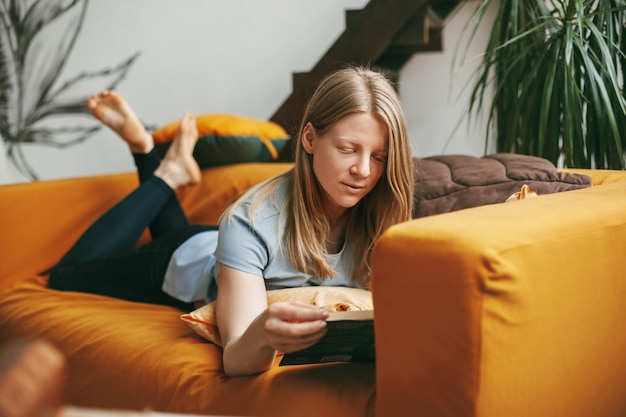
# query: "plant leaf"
[[5, 90], [69, 99], [556, 90]]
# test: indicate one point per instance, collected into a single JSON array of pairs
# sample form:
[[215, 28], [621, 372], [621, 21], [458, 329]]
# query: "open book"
[[350, 338]]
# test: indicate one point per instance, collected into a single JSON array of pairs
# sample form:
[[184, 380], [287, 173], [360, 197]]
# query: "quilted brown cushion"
[[454, 182]]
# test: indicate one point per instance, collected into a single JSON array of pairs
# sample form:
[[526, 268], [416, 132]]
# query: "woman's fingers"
[[297, 311], [288, 344], [295, 326]]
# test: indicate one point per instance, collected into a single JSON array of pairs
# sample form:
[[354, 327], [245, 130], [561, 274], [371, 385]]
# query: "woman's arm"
[[252, 332]]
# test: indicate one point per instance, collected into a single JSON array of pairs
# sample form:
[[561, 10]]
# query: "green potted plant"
[[556, 70]]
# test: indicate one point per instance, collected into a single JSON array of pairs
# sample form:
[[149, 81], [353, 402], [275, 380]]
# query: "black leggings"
[[106, 260]]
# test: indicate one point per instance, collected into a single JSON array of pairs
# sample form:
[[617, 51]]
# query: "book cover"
[[350, 338]]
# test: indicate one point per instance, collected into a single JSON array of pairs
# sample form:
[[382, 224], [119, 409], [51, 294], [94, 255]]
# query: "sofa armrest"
[[599, 176], [510, 310]]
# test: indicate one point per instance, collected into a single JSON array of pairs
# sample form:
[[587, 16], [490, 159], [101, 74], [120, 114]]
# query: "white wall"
[[434, 88], [237, 56]]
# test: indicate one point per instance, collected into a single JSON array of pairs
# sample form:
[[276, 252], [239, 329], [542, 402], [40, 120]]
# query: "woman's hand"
[[293, 326], [252, 332]]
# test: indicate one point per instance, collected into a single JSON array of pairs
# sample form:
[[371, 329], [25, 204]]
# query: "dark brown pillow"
[[454, 182]]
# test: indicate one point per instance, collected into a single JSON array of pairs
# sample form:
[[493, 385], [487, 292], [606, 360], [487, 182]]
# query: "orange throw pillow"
[[202, 320]]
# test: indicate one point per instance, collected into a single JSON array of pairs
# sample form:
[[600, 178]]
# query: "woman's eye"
[[380, 158], [346, 150]]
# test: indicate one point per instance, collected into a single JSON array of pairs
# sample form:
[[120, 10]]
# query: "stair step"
[[395, 57], [443, 8], [385, 33], [422, 33], [415, 32], [354, 17]]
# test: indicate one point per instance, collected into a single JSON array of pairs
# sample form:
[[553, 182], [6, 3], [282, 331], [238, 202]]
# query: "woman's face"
[[348, 159]]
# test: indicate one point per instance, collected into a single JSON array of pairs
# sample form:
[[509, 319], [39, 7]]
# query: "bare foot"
[[179, 168], [112, 110]]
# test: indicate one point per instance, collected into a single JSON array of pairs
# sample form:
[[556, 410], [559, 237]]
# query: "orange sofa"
[[510, 310]]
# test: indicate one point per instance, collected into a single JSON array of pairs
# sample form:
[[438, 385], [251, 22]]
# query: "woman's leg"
[[136, 275], [106, 261], [171, 216], [120, 228], [107, 248], [113, 111]]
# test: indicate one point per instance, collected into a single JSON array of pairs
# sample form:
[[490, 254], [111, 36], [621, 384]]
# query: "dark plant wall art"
[[36, 105]]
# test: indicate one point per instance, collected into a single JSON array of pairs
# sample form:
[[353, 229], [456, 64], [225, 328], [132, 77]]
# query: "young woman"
[[314, 225]]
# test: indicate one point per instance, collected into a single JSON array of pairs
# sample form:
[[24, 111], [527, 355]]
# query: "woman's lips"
[[353, 187]]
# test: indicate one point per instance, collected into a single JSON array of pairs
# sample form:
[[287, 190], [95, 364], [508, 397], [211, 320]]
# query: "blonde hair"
[[344, 92]]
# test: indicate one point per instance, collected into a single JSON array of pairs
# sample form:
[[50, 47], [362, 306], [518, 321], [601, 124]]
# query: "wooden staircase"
[[384, 34]]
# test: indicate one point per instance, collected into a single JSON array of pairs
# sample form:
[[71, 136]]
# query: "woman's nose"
[[361, 167]]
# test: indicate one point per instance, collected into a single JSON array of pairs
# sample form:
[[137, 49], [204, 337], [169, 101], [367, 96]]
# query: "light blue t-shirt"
[[248, 245]]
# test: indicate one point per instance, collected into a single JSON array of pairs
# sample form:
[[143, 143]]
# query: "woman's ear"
[[308, 137]]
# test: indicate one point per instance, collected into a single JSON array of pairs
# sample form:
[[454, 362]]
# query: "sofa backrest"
[[447, 183], [42, 220]]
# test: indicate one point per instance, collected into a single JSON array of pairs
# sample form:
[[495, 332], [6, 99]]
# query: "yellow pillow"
[[214, 126], [202, 320]]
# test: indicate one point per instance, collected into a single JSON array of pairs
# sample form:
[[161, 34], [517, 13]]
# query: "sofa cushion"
[[202, 320], [454, 182], [133, 356], [228, 139]]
